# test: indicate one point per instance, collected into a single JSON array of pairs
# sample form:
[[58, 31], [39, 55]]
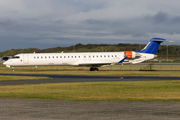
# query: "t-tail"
[[152, 46]]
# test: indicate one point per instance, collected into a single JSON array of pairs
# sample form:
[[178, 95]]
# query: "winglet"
[[122, 60]]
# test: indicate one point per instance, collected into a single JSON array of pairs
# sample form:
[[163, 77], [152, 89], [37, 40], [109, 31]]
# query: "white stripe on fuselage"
[[91, 58]]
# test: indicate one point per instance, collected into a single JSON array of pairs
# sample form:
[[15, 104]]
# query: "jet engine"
[[131, 54]]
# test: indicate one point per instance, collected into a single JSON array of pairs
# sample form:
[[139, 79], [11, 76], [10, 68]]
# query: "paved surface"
[[38, 109], [82, 78]]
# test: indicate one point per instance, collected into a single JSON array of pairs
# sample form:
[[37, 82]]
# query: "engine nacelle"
[[131, 54]]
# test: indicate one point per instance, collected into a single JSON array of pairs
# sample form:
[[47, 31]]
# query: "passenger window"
[[56, 56], [75, 56], [104, 55], [34, 57], [60, 56], [71, 56], [64, 56], [79, 56]]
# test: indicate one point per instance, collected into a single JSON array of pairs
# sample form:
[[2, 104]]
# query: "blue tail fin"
[[152, 46]]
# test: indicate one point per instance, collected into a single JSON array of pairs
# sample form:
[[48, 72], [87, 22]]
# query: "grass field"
[[94, 91], [104, 73], [13, 78], [98, 91]]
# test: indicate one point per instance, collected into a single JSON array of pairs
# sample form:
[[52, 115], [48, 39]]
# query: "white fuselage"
[[76, 59]]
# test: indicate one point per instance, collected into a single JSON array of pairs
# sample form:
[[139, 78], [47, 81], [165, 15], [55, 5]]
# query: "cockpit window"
[[5, 58], [14, 57]]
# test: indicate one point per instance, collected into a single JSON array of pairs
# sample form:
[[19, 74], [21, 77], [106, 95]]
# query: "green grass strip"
[[14, 78], [98, 91], [102, 73]]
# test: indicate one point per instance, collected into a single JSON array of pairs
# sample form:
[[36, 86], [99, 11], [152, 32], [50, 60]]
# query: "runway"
[[81, 78], [41, 109]]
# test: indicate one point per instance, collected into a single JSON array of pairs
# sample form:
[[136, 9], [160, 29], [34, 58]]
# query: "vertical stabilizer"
[[152, 46]]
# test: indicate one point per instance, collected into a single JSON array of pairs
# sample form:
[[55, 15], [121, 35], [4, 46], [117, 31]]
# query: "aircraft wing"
[[98, 64], [94, 64]]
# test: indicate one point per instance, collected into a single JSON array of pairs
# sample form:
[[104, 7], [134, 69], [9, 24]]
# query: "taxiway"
[[82, 78]]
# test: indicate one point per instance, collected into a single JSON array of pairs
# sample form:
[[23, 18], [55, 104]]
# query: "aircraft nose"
[[6, 63]]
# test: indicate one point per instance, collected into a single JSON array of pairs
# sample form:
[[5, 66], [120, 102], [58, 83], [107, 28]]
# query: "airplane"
[[91, 59]]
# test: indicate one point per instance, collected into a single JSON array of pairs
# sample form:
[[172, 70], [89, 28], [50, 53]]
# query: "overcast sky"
[[51, 23]]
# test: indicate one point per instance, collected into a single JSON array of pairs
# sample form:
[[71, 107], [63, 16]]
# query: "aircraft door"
[[25, 58]]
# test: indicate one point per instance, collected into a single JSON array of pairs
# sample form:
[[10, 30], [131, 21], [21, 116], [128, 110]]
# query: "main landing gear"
[[94, 69]]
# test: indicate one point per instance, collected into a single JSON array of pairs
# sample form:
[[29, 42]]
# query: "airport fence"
[[147, 66]]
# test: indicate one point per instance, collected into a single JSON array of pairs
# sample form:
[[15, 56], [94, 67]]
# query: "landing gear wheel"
[[13, 69], [91, 69], [94, 69]]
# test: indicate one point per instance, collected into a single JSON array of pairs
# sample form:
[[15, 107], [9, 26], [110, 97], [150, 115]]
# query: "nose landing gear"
[[13, 69]]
